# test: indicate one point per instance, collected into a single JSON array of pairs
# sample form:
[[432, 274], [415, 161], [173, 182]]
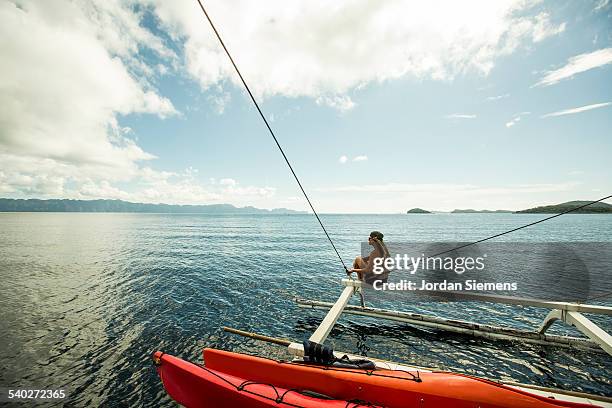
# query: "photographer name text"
[[423, 285]]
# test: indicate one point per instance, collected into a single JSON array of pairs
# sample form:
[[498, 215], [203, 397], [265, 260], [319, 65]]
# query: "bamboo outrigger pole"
[[251, 335], [597, 339]]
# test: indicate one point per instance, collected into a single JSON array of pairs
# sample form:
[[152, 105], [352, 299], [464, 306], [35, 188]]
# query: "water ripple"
[[87, 297]]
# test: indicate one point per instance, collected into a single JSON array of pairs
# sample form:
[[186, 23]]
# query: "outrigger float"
[[317, 376], [597, 339]]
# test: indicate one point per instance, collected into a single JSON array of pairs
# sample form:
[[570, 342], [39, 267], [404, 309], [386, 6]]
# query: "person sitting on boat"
[[364, 266]]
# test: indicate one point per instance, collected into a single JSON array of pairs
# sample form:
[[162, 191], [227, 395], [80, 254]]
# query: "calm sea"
[[86, 298]]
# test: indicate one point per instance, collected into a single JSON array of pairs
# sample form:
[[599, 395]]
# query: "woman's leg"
[[359, 263]]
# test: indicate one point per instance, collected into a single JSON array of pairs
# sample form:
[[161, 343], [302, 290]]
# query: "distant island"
[[418, 211], [113, 206], [470, 211], [597, 208]]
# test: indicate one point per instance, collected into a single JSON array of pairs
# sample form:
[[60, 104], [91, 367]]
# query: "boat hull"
[[232, 379]]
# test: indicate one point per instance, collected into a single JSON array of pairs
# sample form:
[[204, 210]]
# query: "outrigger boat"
[[319, 377]]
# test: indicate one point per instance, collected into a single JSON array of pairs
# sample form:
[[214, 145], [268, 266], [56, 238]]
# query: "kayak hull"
[[196, 387], [232, 379]]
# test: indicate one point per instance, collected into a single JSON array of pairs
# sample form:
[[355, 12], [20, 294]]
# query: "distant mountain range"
[[111, 206], [470, 211], [597, 208]]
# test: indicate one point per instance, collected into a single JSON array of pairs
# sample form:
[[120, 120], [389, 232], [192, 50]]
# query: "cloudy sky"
[[381, 106]]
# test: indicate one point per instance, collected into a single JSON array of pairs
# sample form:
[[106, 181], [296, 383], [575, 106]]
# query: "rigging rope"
[[272, 133], [599, 296], [603, 295], [521, 227], [304, 191]]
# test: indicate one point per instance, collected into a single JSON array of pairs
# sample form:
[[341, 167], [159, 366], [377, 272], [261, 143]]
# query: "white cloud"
[[227, 182], [601, 5], [185, 188], [341, 103], [315, 49], [451, 188], [344, 159], [497, 97], [44, 178], [516, 119], [577, 110], [399, 197], [248, 192], [575, 65], [219, 101], [542, 28], [512, 122], [460, 116], [69, 70]]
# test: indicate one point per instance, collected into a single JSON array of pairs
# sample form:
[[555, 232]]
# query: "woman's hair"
[[379, 235]]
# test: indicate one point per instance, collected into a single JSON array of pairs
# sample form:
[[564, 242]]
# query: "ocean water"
[[86, 298]]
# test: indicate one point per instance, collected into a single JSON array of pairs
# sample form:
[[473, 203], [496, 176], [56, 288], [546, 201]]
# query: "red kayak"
[[238, 380]]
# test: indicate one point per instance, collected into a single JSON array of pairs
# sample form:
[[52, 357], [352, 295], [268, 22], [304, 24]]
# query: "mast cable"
[[272, 133], [601, 295], [521, 227], [304, 191]]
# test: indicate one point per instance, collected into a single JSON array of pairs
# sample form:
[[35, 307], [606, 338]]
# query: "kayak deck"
[[233, 379]]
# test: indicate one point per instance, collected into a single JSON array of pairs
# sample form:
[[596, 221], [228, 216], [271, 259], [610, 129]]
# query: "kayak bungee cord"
[[272, 133], [280, 397]]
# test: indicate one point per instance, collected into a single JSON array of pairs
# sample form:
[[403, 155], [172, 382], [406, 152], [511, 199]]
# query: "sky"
[[380, 106]]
